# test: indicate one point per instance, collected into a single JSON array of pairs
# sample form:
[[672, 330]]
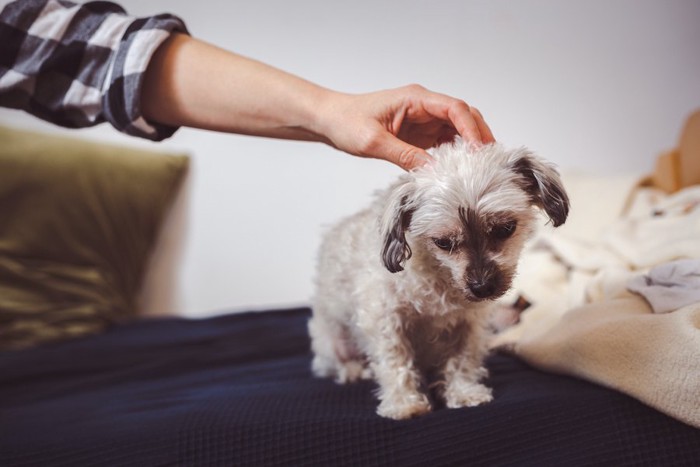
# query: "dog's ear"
[[394, 222], [541, 181]]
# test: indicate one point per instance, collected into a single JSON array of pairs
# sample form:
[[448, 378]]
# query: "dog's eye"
[[444, 243], [503, 231]]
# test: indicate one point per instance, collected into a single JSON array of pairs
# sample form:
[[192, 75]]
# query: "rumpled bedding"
[[593, 313], [670, 286]]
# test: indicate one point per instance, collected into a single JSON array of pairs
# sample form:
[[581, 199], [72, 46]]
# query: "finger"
[[405, 155], [458, 113], [486, 133], [465, 123]]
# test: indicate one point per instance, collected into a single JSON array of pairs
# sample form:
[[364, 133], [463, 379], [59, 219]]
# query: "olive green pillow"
[[78, 221]]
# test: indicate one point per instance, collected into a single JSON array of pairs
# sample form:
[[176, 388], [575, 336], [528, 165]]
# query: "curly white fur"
[[415, 316]]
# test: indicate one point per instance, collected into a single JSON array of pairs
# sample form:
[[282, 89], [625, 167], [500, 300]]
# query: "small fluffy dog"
[[405, 288]]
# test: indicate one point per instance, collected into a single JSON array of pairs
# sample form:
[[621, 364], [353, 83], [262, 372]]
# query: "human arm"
[[192, 83], [78, 65]]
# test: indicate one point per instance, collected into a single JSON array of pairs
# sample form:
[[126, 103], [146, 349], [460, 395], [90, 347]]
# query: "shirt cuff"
[[124, 83]]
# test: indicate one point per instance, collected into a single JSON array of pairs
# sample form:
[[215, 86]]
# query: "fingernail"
[[422, 159]]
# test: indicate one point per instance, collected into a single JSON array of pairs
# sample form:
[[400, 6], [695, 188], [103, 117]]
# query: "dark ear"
[[395, 221], [541, 181], [396, 250]]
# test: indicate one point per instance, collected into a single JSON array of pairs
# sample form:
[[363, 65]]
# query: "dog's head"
[[469, 213]]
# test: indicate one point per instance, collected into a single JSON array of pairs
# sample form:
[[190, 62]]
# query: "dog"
[[405, 288]]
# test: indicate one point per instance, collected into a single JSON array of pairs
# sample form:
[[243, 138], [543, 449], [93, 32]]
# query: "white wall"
[[601, 86]]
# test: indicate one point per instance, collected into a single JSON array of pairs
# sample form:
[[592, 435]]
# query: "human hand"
[[397, 125]]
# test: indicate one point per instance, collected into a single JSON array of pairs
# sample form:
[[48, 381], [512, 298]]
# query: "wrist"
[[323, 114]]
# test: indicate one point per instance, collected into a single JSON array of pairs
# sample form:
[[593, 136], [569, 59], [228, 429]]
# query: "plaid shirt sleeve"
[[78, 65]]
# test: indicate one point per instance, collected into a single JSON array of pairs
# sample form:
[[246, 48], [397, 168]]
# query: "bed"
[[207, 392], [86, 380]]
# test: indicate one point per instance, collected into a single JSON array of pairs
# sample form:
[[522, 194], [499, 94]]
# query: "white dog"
[[404, 288]]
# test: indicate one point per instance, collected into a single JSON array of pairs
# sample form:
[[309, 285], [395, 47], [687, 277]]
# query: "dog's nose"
[[481, 288]]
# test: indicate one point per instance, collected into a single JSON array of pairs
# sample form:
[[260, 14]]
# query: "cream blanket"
[[585, 323]]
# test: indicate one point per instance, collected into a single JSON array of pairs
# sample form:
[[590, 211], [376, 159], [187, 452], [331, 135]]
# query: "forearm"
[[192, 83]]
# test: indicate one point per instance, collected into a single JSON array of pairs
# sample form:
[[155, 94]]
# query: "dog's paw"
[[482, 373], [467, 395], [405, 407], [352, 371], [323, 367]]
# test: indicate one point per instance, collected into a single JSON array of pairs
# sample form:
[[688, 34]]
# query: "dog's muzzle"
[[485, 283], [482, 288]]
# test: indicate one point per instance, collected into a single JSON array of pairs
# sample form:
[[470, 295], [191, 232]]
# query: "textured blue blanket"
[[237, 390]]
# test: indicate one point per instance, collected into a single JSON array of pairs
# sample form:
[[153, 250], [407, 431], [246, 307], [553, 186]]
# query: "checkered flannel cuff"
[[121, 102], [79, 65]]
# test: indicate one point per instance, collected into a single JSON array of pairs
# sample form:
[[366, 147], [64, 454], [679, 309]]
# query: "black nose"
[[481, 288]]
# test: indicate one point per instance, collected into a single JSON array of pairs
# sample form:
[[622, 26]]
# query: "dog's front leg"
[[464, 370], [392, 362]]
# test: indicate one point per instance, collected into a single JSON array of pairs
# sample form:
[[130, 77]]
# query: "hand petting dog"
[[398, 125]]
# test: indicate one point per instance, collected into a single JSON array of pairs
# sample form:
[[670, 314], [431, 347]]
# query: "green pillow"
[[78, 221]]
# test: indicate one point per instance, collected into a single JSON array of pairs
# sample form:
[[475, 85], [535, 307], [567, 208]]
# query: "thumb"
[[398, 152]]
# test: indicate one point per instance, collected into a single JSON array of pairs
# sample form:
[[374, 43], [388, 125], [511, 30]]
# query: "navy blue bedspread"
[[237, 390]]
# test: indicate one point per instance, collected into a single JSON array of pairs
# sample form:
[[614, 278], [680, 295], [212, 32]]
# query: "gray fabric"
[[669, 286]]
